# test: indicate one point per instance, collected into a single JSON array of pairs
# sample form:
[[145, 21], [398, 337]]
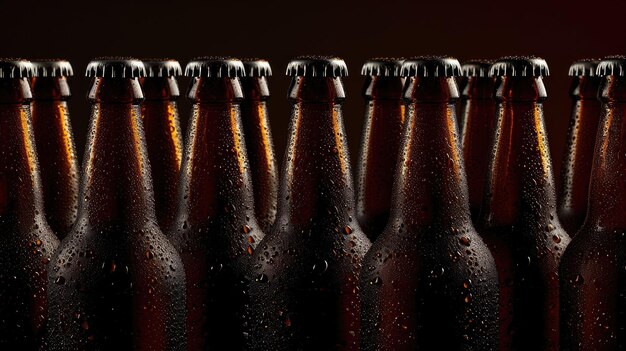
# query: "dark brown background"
[[559, 31]]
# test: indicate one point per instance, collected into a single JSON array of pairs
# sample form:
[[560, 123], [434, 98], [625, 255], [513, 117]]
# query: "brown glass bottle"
[[429, 282], [581, 139], [27, 241], [380, 144], [518, 220], [479, 123], [116, 281], [215, 229], [304, 285], [259, 143], [159, 112], [56, 150], [593, 273]]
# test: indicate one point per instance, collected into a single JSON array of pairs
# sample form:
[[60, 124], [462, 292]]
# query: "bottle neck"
[[317, 179], [50, 89], [607, 190], [255, 88], [585, 88], [430, 187], [20, 184], [520, 190], [383, 88], [215, 179], [160, 88], [116, 187], [479, 88]]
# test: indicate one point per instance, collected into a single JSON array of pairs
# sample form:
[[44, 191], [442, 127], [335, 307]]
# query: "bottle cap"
[[162, 68], [520, 66], [116, 67], [16, 68], [431, 66], [52, 68], [219, 67], [612, 66], [476, 68], [384, 67], [255, 67], [317, 66]]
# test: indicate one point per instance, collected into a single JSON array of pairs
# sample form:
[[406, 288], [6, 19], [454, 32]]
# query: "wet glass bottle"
[[259, 143], [518, 219], [215, 229], [380, 144], [116, 282], [581, 139], [304, 283], [479, 123], [27, 240], [159, 112], [429, 282], [56, 151], [593, 269]]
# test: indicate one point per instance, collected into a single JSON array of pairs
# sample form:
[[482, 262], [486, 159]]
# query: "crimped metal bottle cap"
[[520, 66], [256, 67], [612, 66], [476, 68], [116, 67], [16, 68], [162, 68], [317, 66], [382, 66], [431, 66], [52, 68], [216, 67]]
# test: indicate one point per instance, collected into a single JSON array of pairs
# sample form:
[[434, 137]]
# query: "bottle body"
[[304, 283], [260, 146], [117, 282], [215, 229], [519, 221], [27, 240], [593, 280], [56, 152], [380, 145], [479, 121], [581, 139], [159, 112], [429, 281]]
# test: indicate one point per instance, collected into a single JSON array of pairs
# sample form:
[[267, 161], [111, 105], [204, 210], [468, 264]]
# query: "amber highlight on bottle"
[[380, 143], [429, 282], [164, 142], [593, 269], [519, 220], [479, 123], [581, 140], [304, 283], [259, 142], [56, 151], [27, 242], [116, 282], [215, 229]]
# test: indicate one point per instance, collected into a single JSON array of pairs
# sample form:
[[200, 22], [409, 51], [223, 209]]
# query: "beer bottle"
[[116, 281], [27, 241], [380, 144], [258, 136], [593, 273], [479, 121], [54, 139], [581, 139], [461, 82], [163, 136], [215, 229], [429, 282], [518, 220], [304, 283]]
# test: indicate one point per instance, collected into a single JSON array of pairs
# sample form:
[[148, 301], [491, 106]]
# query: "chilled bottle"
[[518, 219], [259, 142], [593, 273], [304, 282], [27, 240], [380, 144], [581, 139], [116, 282], [159, 111], [479, 122], [215, 229], [56, 151], [429, 282]]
